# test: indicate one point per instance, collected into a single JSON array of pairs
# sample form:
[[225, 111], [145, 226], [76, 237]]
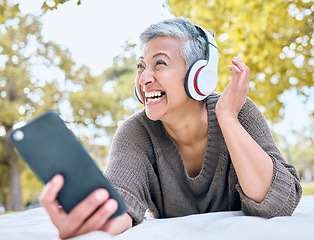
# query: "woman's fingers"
[[234, 69], [50, 191], [240, 67], [48, 197], [81, 212], [241, 74], [90, 214], [240, 64], [234, 95], [100, 217]]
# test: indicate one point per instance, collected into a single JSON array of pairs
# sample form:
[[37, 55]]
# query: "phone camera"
[[18, 135]]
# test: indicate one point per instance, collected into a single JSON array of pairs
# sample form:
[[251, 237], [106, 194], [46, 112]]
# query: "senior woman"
[[182, 156]]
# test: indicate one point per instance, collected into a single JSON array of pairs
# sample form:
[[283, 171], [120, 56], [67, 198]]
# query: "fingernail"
[[109, 205], [55, 179], [100, 195]]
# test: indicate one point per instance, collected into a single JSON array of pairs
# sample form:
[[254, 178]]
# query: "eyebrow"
[[156, 55], [161, 53]]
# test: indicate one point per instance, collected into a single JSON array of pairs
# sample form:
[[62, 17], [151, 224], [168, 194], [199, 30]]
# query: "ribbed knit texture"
[[148, 171]]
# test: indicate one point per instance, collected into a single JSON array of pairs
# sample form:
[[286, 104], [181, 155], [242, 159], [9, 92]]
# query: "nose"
[[146, 77]]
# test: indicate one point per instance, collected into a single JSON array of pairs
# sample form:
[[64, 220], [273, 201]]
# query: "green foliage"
[[274, 38], [7, 11], [30, 185], [36, 76], [300, 151], [103, 101], [53, 4], [28, 87]]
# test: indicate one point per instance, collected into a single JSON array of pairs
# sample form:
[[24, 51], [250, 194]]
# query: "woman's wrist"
[[225, 117]]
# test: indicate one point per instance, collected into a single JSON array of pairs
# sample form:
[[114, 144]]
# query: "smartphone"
[[49, 147]]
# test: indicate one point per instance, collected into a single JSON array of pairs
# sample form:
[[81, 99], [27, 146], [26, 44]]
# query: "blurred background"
[[79, 57]]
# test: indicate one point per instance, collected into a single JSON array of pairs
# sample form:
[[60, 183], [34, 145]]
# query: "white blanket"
[[35, 224]]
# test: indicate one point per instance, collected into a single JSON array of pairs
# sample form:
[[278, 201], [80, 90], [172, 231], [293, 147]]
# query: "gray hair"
[[194, 46]]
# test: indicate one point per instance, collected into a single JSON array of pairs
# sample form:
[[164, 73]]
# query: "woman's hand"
[[233, 97], [253, 165], [89, 215]]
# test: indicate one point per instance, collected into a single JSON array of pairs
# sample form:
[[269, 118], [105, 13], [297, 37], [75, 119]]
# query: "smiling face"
[[160, 77]]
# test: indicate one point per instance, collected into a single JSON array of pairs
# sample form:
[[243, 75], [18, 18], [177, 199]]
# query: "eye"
[[140, 67], [160, 62]]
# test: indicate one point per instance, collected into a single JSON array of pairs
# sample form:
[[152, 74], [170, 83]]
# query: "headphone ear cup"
[[186, 82], [191, 80], [137, 96]]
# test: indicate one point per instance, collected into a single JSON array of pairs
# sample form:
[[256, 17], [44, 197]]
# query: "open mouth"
[[154, 96]]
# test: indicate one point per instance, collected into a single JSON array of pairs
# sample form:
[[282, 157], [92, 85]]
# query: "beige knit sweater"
[[148, 171]]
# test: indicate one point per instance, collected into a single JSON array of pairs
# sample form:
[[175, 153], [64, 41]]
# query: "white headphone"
[[202, 78]]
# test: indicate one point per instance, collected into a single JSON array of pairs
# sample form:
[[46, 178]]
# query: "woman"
[[180, 156]]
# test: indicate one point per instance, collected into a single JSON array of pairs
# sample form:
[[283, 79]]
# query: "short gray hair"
[[194, 46]]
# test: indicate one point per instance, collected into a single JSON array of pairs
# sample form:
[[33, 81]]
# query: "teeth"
[[153, 99], [153, 94]]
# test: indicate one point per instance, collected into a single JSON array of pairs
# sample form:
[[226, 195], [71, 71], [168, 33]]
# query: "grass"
[[6, 212], [308, 188]]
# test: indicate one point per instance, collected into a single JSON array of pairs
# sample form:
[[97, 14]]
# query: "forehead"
[[164, 44]]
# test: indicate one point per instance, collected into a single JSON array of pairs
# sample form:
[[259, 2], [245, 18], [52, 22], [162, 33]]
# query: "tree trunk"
[[14, 197]]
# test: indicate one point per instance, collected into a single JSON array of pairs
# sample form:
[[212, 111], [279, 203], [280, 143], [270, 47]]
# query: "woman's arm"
[[253, 165], [89, 215]]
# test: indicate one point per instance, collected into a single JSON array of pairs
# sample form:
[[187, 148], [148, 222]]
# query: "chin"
[[152, 116]]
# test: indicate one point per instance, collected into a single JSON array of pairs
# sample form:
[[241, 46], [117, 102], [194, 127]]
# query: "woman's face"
[[160, 78]]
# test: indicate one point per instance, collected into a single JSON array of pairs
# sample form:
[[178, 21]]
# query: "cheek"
[[137, 83], [176, 88], [180, 78]]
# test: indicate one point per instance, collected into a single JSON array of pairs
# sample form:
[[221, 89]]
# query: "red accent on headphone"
[[195, 84]]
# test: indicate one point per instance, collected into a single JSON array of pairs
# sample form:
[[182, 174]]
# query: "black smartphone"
[[49, 147]]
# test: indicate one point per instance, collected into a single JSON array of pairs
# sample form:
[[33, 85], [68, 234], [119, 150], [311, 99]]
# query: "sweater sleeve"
[[128, 167], [285, 191]]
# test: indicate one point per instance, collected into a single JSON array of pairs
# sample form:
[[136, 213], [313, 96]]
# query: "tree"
[[53, 4], [274, 38], [25, 91], [106, 100], [38, 75], [302, 151]]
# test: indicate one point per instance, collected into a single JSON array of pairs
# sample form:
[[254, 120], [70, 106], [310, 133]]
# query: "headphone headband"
[[208, 35]]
